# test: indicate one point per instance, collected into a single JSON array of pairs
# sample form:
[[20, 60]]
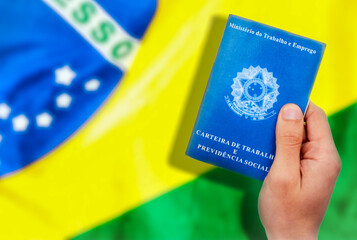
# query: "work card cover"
[[257, 70]]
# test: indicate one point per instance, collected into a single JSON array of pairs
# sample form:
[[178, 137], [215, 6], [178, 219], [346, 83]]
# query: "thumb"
[[289, 137]]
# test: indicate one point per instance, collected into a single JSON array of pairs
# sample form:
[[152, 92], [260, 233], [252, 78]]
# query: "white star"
[[92, 85], [63, 100], [20, 123], [65, 75], [4, 111], [44, 120]]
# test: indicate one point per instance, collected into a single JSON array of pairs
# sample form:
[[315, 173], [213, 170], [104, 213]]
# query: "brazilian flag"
[[98, 100]]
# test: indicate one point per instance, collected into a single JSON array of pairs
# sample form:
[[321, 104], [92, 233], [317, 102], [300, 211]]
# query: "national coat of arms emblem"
[[254, 92]]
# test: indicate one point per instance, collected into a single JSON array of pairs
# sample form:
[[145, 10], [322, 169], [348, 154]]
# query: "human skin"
[[297, 191]]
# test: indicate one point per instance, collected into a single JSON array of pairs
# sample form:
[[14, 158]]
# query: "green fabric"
[[223, 205], [341, 218], [217, 205]]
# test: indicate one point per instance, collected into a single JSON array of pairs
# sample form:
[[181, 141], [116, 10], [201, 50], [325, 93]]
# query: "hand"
[[296, 192]]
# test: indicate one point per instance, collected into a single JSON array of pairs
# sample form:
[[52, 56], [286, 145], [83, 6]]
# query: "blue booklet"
[[258, 69]]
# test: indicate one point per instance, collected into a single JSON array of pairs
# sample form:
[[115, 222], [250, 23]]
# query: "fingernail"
[[292, 113]]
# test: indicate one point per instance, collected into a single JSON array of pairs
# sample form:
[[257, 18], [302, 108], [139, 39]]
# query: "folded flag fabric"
[[60, 60]]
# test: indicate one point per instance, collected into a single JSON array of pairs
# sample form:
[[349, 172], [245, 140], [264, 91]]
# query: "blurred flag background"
[[98, 100]]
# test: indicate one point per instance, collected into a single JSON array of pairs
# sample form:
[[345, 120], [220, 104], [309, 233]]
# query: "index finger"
[[317, 126]]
